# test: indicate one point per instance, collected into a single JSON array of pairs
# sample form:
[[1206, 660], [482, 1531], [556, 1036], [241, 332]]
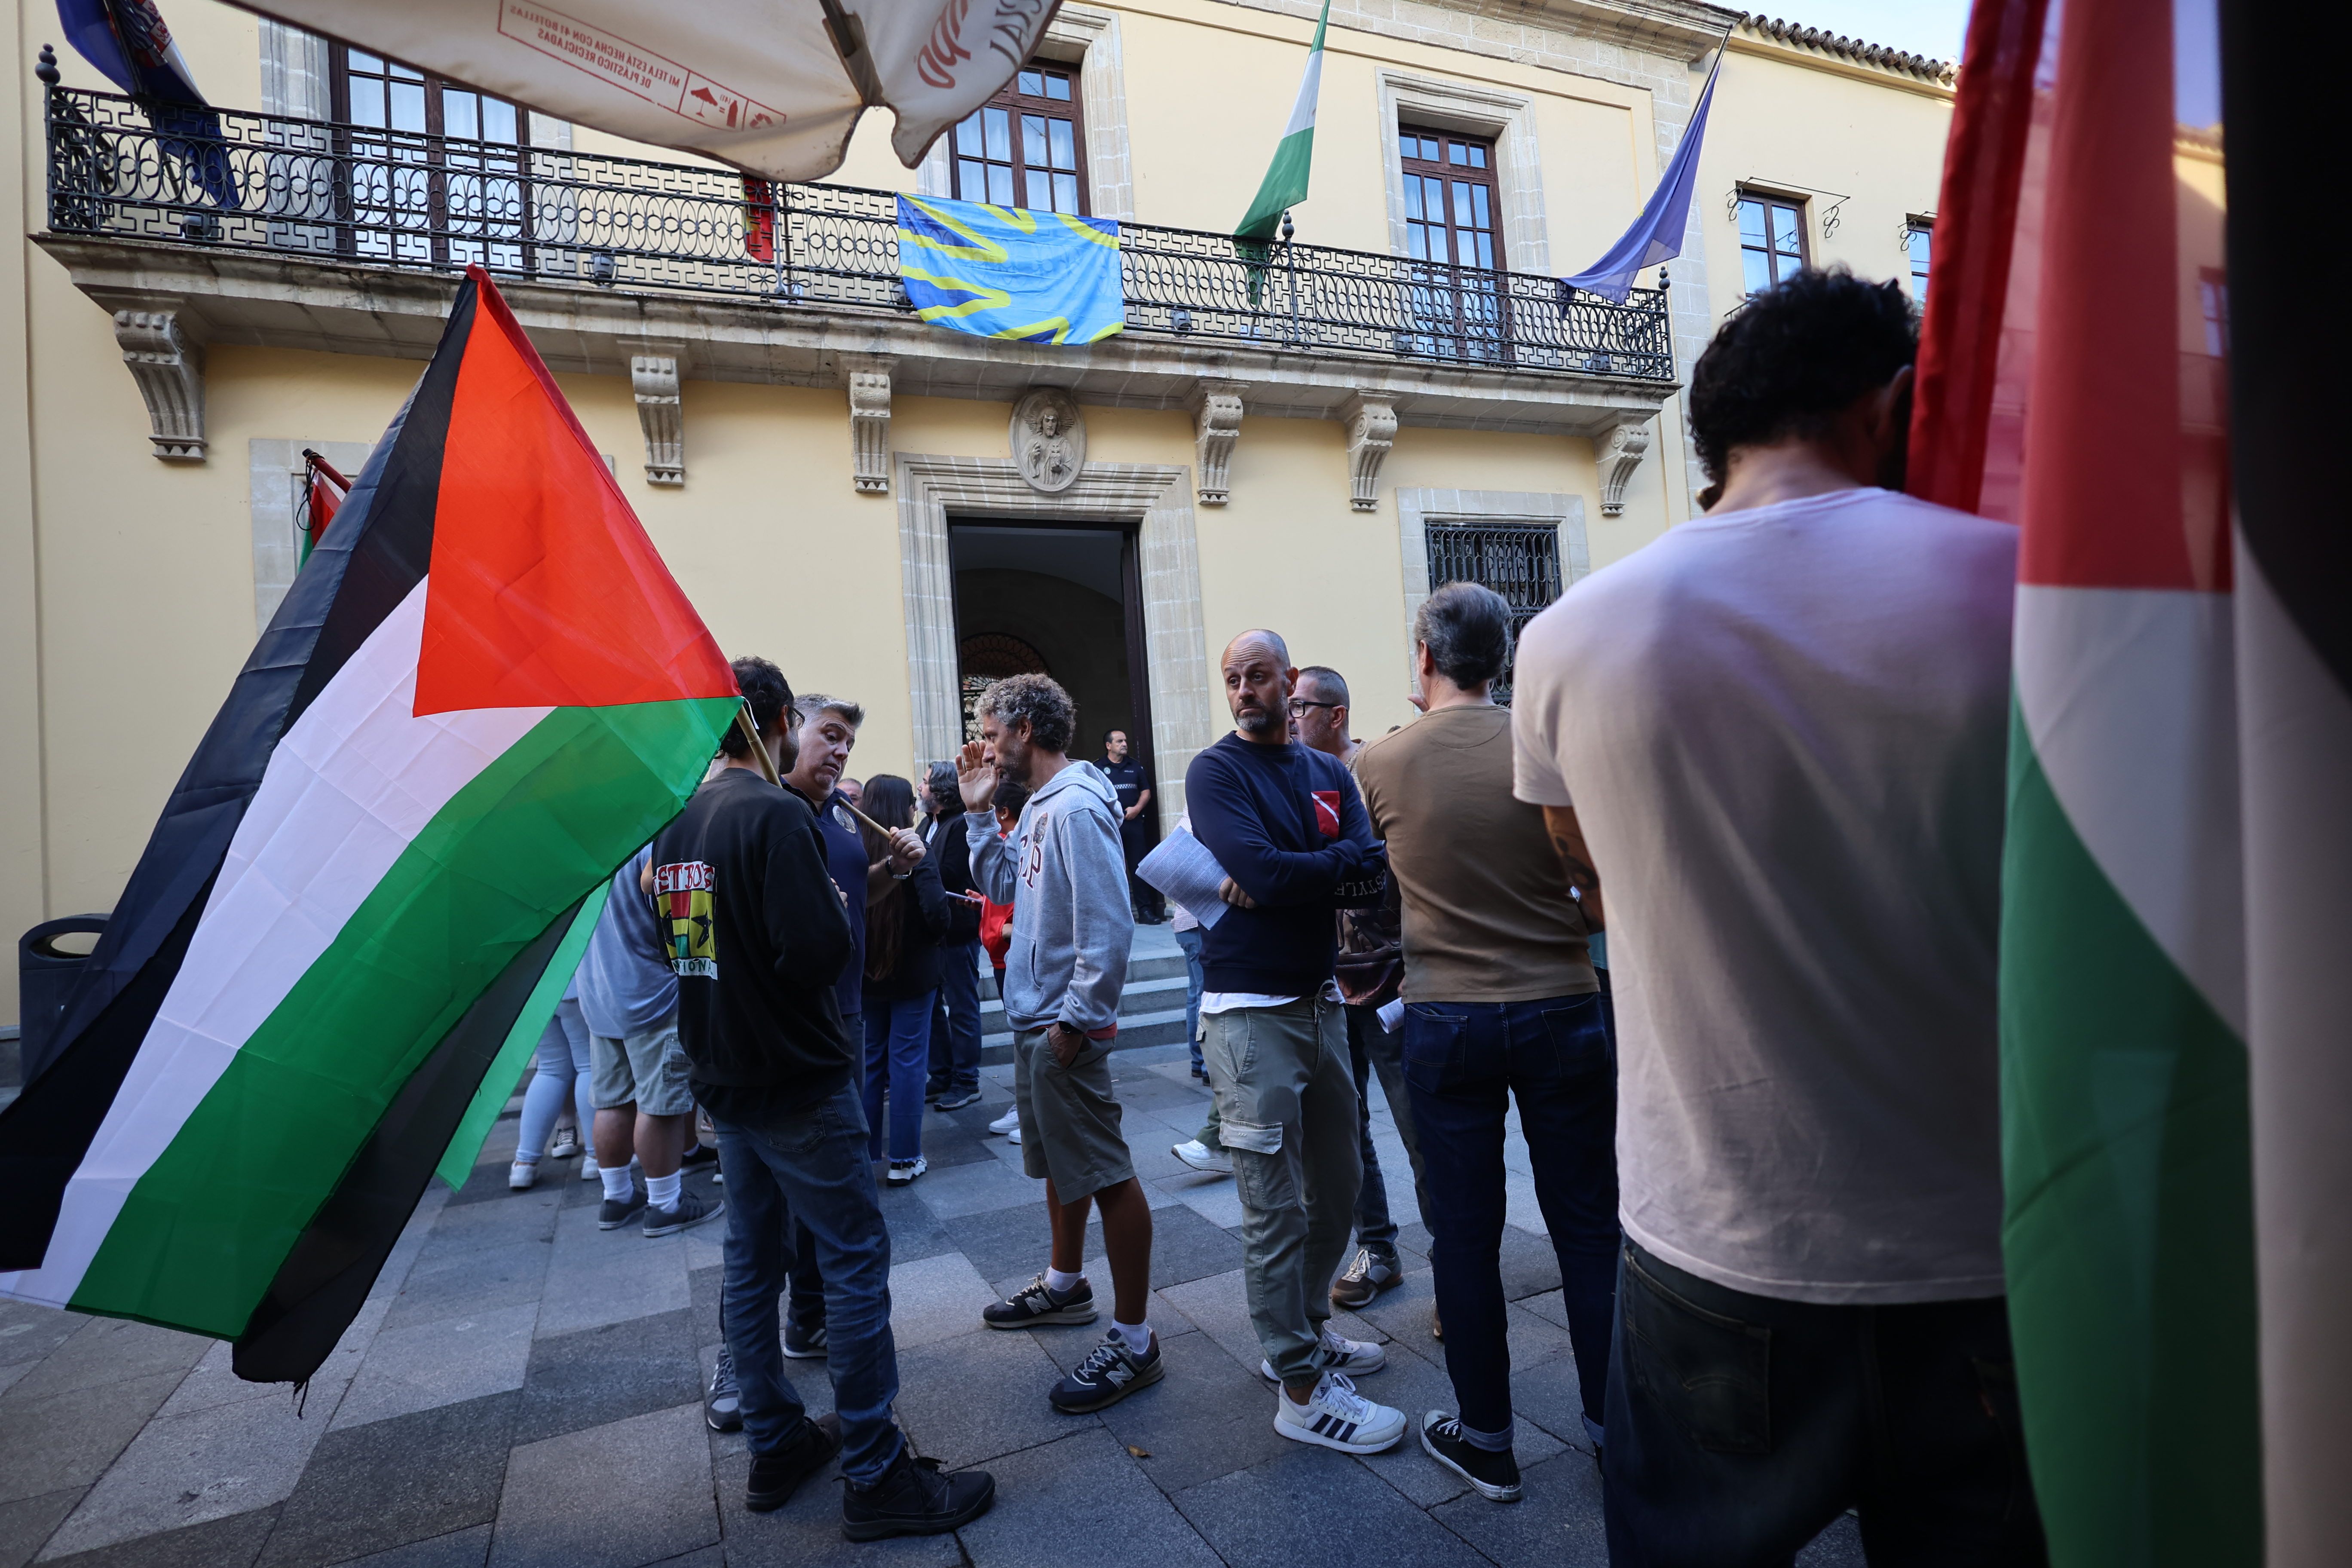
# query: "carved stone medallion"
[[1049, 439]]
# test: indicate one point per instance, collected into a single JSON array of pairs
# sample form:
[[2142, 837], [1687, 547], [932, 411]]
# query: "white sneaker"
[[588, 1168], [1336, 1417], [904, 1170], [1014, 1136], [566, 1144], [1339, 1353], [1008, 1123], [521, 1174], [1201, 1157]]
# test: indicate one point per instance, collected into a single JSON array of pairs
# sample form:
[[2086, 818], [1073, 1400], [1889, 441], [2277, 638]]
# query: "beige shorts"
[[1069, 1118], [649, 1069]]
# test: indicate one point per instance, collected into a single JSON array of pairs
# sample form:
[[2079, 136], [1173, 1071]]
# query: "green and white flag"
[[1285, 185]]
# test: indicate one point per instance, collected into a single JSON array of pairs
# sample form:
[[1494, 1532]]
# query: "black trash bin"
[[43, 977]]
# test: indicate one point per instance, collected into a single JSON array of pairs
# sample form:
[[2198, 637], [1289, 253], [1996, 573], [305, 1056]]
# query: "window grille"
[[1518, 560]]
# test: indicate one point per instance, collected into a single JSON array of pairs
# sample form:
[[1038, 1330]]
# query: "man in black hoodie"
[[757, 934], [1285, 824]]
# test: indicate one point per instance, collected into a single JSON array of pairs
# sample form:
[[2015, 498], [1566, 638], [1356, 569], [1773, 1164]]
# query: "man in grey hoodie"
[[1064, 875]]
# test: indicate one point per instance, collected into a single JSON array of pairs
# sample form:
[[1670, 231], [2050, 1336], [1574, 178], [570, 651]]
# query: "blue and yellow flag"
[[1008, 273]]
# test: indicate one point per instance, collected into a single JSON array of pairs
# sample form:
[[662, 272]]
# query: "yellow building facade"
[[1308, 446]]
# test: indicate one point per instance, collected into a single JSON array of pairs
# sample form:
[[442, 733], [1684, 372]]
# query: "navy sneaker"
[[914, 1497], [1112, 1373], [778, 1473], [1038, 1303], [723, 1408]]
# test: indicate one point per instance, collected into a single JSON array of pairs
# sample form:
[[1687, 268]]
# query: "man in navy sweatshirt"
[[1286, 825]]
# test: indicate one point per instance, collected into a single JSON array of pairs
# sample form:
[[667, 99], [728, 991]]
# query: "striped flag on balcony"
[[1285, 185], [480, 697]]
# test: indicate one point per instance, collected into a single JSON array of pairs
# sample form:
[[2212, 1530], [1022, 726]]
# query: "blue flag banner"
[[1657, 235], [127, 40], [1008, 273]]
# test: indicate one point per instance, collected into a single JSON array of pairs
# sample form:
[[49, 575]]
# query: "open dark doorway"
[[1064, 601]]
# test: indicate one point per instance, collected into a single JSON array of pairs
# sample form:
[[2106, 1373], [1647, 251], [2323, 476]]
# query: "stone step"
[[1140, 997], [1136, 1031]]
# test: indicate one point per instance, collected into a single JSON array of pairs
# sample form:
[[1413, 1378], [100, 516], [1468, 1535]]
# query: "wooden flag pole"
[[758, 747]]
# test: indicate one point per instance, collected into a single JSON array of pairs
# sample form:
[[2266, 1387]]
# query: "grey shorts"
[[1069, 1118], [649, 1069]]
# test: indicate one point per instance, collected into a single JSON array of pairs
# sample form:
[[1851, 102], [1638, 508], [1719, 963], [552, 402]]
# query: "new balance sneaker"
[[1112, 1373], [904, 1170], [692, 1210], [1496, 1474], [805, 1345], [778, 1473], [618, 1212], [1037, 1303], [1201, 1157], [915, 1497], [957, 1099], [1337, 1353], [723, 1407], [1366, 1278], [521, 1174], [566, 1144], [1336, 1417], [1008, 1123]]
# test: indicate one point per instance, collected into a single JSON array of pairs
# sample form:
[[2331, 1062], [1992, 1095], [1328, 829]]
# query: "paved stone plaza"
[[522, 1388]]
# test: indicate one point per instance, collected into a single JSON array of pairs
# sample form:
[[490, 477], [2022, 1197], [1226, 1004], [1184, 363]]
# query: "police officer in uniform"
[[1134, 833]]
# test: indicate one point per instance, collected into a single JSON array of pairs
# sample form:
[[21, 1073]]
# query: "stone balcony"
[[303, 234]]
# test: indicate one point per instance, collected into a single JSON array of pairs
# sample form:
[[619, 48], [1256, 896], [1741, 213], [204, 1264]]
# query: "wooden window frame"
[[1015, 103], [1441, 167], [1769, 199], [439, 224]]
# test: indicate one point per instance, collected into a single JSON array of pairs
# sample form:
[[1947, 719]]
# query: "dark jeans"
[[955, 1022], [1370, 1047], [1740, 1426], [1195, 982], [897, 1050], [1464, 1062], [1134, 844], [807, 1174]]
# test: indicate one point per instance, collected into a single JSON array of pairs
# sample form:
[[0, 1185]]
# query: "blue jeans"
[[897, 1055], [955, 1023], [1463, 1064], [1195, 982], [1741, 1425], [807, 1174], [1369, 1049]]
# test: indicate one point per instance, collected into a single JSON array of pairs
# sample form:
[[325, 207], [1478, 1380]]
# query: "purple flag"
[[1657, 235]]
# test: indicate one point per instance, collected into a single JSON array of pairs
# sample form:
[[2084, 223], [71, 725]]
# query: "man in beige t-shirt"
[[1500, 1002]]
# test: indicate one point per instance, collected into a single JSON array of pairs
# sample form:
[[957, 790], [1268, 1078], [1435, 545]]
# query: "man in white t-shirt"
[[1777, 737]]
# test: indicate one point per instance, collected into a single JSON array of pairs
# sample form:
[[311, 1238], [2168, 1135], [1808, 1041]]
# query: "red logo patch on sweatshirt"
[[1326, 811]]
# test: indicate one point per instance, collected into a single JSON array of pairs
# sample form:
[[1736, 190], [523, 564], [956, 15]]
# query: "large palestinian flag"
[[482, 694]]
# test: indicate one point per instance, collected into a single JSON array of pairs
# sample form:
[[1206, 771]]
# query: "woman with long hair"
[[904, 925]]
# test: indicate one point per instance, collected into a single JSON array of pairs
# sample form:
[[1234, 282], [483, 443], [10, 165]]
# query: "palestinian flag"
[[482, 694], [323, 491]]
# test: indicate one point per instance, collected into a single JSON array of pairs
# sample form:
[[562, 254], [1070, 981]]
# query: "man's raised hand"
[[975, 780]]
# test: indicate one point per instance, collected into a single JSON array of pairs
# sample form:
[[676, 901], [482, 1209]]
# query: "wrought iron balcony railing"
[[367, 194]]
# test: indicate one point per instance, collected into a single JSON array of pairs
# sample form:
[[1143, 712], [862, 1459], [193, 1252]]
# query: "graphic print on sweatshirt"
[[1326, 811], [1032, 863], [682, 905]]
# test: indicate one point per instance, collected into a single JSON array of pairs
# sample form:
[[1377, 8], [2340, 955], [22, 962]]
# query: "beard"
[[1262, 721], [789, 753]]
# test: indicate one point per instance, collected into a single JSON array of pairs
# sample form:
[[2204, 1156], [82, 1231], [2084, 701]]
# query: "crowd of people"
[[1766, 751]]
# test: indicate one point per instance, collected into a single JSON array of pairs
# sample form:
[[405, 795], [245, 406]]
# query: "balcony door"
[[437, 171], [1452, 237]]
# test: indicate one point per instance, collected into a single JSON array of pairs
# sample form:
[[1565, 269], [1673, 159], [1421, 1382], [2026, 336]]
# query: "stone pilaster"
[[662, 416], [868, 379], [1216, 426]]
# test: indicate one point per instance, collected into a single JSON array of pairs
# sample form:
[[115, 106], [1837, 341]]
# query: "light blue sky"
[[1923, 27]]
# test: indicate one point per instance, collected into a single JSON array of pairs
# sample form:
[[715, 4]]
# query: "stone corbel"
[[868, 379], [1618, 454], [1216, 426], [169, 366], [1372, 422], [661, 415]]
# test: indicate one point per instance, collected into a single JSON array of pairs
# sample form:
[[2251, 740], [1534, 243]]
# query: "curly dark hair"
[[769, 693], [1793, 356], [1053, 717]]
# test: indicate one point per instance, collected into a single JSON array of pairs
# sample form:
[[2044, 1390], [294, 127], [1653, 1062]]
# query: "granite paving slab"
[[594, 1376], [440, 1363], [231, 1542], [395, 1481], [68, 1439], [1088, 1486], [615, 1496]]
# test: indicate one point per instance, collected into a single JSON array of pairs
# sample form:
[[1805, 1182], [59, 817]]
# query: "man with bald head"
[[1285, 824]]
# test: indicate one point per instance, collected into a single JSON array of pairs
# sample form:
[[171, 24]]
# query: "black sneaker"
[[804, 1344], [698, 1155], [957, 1099], [778, 1473], [723, 1407], [1366, 1278], [914, 1497], [690, 1212], [1107, 1376], [618, 1212], [1038, 1302], [1496, 1476]]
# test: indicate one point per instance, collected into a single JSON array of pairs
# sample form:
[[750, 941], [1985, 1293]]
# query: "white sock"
[[616, 1182], [1061, 1283], [1136, 1335], [661, 1192]]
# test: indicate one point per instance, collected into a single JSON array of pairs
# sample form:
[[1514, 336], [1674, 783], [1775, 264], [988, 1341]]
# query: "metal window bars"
[[1518, 560], [367, 196]]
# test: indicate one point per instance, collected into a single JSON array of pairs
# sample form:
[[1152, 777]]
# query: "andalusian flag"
[[482, 694], [1285, 185]]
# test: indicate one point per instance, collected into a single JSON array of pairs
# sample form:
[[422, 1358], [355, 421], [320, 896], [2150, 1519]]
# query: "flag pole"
[[758, 747]]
